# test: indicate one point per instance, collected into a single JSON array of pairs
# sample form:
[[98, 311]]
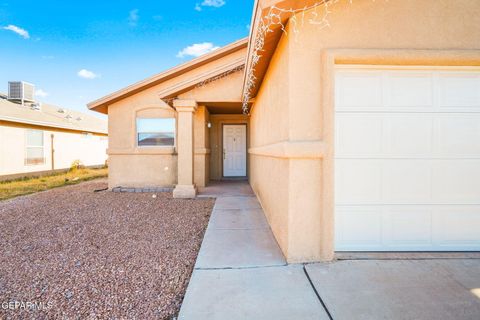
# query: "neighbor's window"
[[34, 151], [155, 132]]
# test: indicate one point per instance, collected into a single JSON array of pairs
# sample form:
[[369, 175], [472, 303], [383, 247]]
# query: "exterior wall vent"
[[21, 91]]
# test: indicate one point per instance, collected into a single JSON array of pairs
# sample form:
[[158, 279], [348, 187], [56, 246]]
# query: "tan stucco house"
[[40, 138], [360, 136]]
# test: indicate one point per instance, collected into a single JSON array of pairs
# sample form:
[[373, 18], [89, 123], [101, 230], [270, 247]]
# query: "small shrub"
[[77, 164]]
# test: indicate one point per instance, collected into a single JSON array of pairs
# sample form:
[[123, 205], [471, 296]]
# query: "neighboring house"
[[39, 138], [362, 136]]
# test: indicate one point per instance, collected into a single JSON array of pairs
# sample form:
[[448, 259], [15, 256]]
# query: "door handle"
[[224, 154]]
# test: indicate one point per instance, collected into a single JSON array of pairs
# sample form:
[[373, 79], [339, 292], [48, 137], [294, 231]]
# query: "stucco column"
[[202, 147], [185, 149]]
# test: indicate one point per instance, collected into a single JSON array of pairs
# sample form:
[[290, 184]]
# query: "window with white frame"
[[156, 132], [34, 147]]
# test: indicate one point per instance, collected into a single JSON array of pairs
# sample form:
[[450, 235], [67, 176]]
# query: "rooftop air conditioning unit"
[[21, 91]]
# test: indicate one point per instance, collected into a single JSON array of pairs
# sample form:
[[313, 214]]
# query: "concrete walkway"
[[241, 273]]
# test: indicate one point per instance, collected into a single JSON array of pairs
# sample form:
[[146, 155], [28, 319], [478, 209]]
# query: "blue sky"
[[76, 53]]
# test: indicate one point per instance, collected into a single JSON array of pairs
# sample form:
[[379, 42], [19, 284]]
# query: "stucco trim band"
[[291, 150], [142, 151], [405, 57]]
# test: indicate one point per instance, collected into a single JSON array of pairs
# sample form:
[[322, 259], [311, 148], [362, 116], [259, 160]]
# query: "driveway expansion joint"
[[316, 292]]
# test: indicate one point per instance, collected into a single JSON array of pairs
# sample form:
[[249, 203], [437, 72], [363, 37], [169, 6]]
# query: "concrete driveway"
[[399, 289], [240, 273]]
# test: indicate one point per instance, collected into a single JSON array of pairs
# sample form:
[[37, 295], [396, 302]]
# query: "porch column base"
[[184, 191]]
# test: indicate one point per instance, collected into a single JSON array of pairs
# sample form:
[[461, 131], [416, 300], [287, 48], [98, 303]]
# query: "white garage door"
[[407, 167]]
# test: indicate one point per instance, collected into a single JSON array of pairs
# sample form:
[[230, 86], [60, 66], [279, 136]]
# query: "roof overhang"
[[261, 10], [50, 125], [101, 105]]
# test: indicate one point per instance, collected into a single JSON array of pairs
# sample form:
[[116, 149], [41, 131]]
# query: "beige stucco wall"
[[226, 88], [133, 166], [68, 145], [269, 176], [292, 118]]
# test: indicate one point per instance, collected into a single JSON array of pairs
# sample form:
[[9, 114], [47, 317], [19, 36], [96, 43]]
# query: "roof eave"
[[51, 125], [101, 105], [261, 7]]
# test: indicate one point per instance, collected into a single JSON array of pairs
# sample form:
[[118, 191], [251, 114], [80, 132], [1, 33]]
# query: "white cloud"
[[21, 32], [209, 3], [133, 17], [87, 74], [213, 3], [40, 93], [197, 49]]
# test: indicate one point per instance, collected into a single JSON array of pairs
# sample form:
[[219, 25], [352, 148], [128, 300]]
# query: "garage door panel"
[[409, 89], [408, 226], [456, 181], [400, 135], [356, 89], [358, 181], [408, 135], [459, 90], [407, 160], [458, 135], [359, 134], [359, 227], [416, 181], [457, 227], [383, 135], [406, 182]]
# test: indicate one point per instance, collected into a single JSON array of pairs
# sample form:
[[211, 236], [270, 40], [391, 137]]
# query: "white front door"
[[407, 159], [234, 150]]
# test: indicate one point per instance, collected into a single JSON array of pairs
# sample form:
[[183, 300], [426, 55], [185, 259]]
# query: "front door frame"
[[246, 150]]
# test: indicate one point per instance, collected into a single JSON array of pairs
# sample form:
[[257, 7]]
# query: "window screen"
[[155, 132], [34, 148]]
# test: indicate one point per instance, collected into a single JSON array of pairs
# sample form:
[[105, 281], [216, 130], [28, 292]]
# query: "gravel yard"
[[84, 255]]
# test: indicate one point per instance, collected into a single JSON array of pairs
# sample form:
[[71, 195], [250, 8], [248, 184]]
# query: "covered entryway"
[[234, 150], [407, 159]]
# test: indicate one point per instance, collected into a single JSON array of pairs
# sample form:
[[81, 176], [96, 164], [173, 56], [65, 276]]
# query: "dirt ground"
[[72, 253]]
